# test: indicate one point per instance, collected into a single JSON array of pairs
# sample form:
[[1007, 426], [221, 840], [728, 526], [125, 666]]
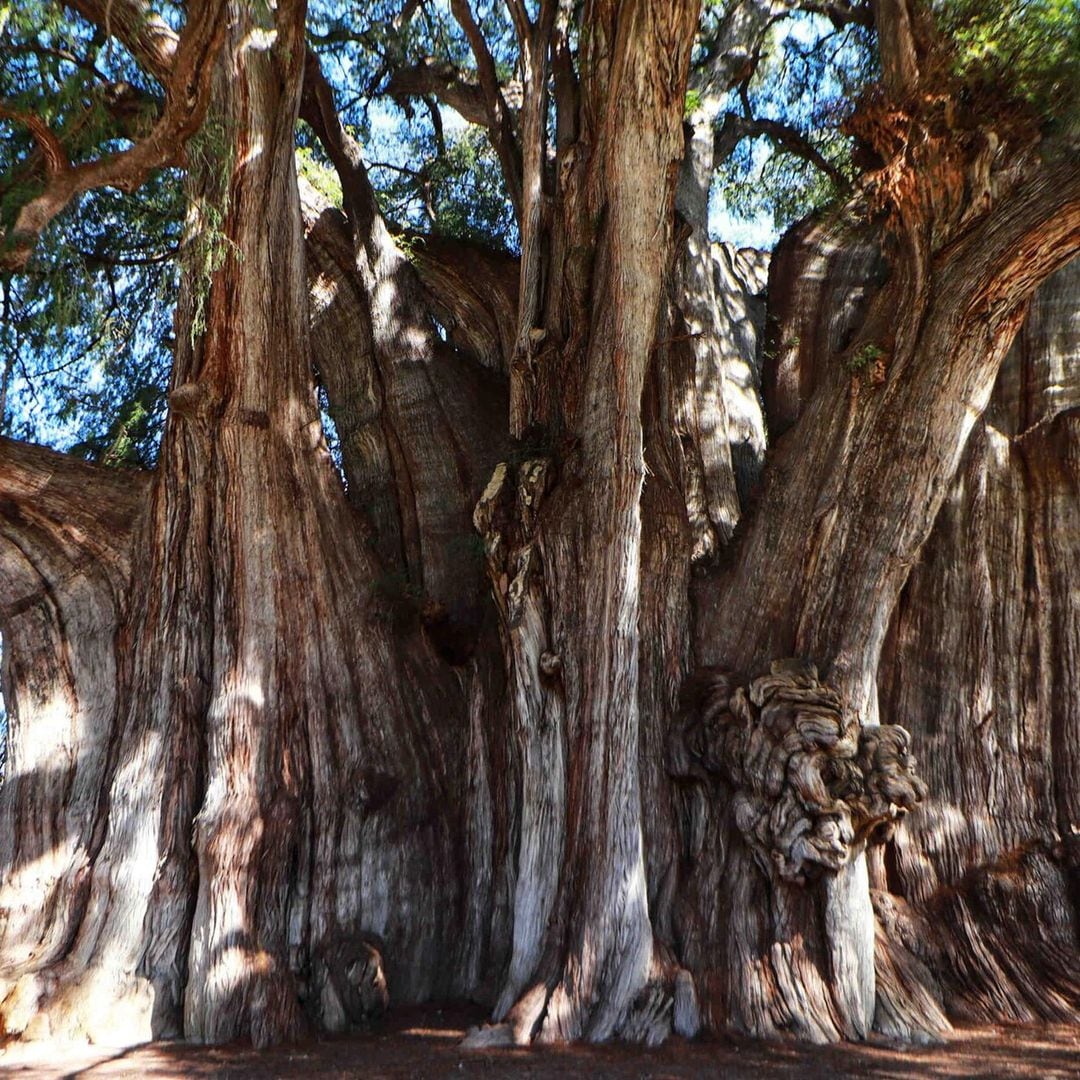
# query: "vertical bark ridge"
[[437, 473], [579, 393]]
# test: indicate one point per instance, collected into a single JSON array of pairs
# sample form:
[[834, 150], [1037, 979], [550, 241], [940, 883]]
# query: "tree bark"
[[850, 495], [66, 531], [564, 542], [258, 678], [283, 752], [980, 649]]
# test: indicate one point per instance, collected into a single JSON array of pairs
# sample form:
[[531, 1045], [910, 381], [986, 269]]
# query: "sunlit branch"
[[186, 100], [149, 39]]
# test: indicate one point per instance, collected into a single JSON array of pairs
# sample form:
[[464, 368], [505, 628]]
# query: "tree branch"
[[149, 39], [840, 13], [732, 48], [52, 150], [520, 18], [736, 128], [500, 123], [317, 109], [896, 44], [474, 291], [534, 44], [1022, 241], [445, 82], [187, 97]]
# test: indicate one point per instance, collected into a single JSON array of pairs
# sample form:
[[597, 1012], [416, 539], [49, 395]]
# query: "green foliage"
[[1023, 49], [318, 174], [85, 331], [468, 196], [85, 328], [125, 441], [864, 357], [89, 322]]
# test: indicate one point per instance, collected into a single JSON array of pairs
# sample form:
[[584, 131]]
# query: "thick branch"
[[499, 122], [445, 82], [733, 46], [736, 128], [840, 13], [318, 109], [186, 99], [534, 43], [60, 512], [52, 150], [896, 44], [1021, 242], [417, 401], [474, 292], [149, 39]]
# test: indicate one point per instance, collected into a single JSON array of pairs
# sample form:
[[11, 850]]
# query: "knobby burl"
[[808, 783]]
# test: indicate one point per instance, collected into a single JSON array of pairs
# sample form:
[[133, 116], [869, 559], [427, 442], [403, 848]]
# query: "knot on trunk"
[[506, 517], [808, 782], [934, 162], [353, 989], [193, 401]]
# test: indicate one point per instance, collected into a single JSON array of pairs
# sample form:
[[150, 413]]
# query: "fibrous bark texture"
[[66, 532], [982, 652], [810, 783], [500, 711]]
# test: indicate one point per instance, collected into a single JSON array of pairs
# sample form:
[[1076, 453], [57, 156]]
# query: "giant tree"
[[584, 676]]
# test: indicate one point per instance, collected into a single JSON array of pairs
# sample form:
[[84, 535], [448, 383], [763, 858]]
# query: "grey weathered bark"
[[564, 541]]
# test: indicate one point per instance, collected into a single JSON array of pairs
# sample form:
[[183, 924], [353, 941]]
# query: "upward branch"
[[500, 122], [187, 96]]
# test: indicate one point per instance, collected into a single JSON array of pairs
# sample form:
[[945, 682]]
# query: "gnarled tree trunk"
[[283, 753], [278, 758]]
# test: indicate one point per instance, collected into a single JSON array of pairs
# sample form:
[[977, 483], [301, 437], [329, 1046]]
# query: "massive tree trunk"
[[887, 342], [276, 757], [282, 753], [981, 650]]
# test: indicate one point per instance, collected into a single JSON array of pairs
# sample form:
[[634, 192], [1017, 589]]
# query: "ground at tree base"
[[425, 1042]]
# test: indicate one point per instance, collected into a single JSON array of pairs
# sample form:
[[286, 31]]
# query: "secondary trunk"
[[226, 886]]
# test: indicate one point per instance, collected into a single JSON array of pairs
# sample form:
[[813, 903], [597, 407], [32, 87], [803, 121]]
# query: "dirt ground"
[[425, 1043]]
